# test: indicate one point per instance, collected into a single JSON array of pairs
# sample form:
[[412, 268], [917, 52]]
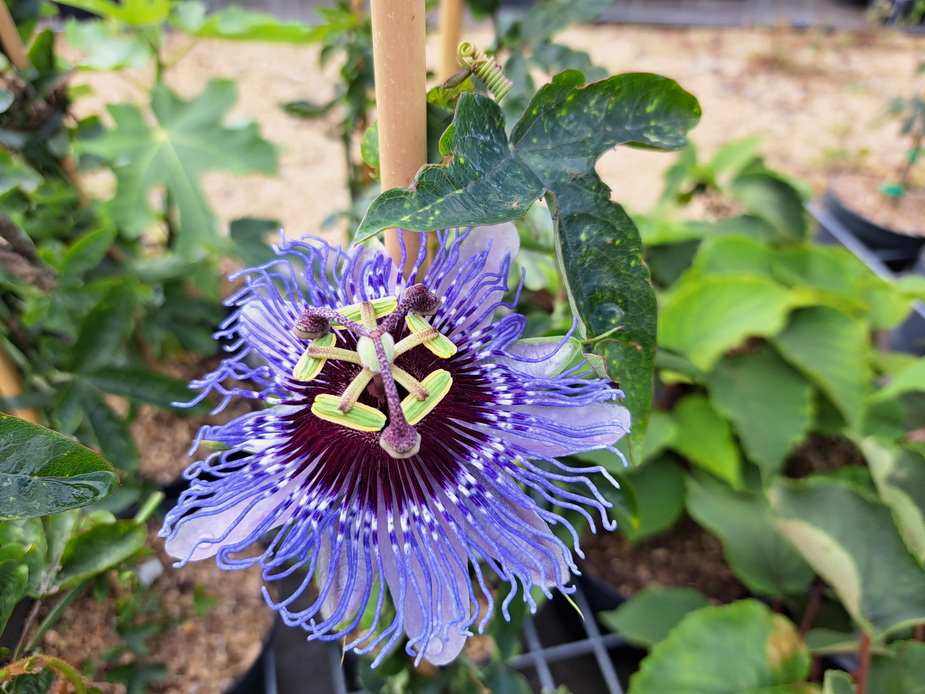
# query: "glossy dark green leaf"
[[742, 648], [88, 251], [650, 615], [758, 555], [42, 472], [97, 549], [552, 151], [849, 538]]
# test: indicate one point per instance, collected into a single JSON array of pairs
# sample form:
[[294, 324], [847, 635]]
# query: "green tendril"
[[485, 68]]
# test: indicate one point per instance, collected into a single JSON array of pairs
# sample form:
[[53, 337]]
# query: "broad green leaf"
[[833, 351], [839, 682], [775, 201], [111, 431], [768, 402], [141, 384], [650, 615], [108, 48], [731, 158], [42, 472], [552, 150], [88, 251], [249, 236], [705, 439], [661, 434], [6, 99], [658, 489], [742, 648], [732, 255], [104, 330], [707, 316], [903, 671], [14, 577], [548, 17], [135, 13], [850, 540], [26, 538], [758, 555], [97, 549], [823, 641], [909, 378], [236, 23], [187, 139], [899, 474]]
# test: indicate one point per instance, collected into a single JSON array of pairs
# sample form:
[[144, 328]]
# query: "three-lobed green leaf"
[[552, 150]]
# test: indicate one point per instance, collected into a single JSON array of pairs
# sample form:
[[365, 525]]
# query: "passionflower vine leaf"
[[43, 472], [187, 139], [488, 178]]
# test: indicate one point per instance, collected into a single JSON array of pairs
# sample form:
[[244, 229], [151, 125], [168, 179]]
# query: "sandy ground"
[[818, 100]]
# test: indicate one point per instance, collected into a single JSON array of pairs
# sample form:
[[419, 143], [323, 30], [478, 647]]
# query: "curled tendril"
[[485, 68]]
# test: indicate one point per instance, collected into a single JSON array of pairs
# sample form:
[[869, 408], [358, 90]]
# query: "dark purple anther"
[[310, 326], [421, 301]]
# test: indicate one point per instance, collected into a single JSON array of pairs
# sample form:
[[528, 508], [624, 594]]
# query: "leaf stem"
[[54, 615], [36, 663], [812, 608], [860, 674]]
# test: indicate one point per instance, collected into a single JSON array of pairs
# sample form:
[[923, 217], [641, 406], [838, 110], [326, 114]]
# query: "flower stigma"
[[376, 351]]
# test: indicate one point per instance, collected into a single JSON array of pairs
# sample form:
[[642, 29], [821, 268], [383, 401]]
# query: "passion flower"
[[407, 436]]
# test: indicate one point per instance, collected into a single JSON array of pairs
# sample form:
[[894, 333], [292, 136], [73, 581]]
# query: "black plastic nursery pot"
[[897, 251], [910, 336]]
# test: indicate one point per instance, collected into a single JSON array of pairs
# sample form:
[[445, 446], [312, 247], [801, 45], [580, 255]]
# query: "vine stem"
[[9, 37], [860, 675], [399, 36], [451, 13], [37, 663]]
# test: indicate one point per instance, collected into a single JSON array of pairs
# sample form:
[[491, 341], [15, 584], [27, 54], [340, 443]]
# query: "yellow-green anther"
[[438, 385], [354, 390], [409, 383], [360, 417], [440, 345], [309, 366], [380, 307]]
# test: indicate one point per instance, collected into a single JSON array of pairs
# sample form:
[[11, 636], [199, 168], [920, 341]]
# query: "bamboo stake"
[[9, 37], [11, 386], [401, 100], [451, 13]]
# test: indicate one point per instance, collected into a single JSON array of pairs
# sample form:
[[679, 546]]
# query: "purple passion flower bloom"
[[406, 437]]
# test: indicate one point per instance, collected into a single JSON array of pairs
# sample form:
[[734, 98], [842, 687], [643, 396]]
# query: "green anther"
[[381, 307], [440, 345], [308, 367], [438, 385], [360, 417]]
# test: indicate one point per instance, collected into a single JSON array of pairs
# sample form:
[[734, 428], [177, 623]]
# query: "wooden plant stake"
[[9, 37], [451, 13], [401, 99], [11, 386]]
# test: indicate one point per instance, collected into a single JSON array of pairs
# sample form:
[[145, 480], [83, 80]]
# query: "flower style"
[[402, 434]]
